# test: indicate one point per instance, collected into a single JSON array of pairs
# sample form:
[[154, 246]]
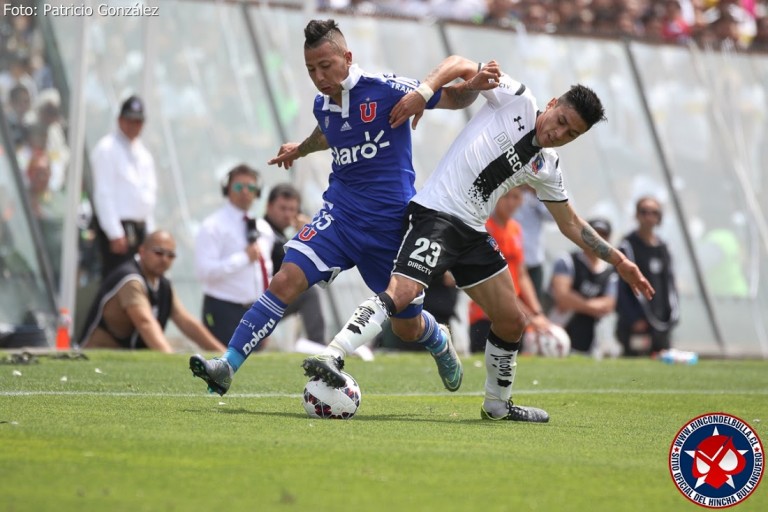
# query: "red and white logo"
[[716, 460], [368, 111]]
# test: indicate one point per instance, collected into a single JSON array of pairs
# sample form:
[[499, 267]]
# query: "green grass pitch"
[[136, 432]]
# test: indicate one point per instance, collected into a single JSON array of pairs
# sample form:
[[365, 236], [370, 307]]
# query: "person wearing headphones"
[[639, 318], [232, 254]]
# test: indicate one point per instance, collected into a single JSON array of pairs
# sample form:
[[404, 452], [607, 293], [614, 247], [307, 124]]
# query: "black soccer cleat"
[[327, 368], [518, 413]]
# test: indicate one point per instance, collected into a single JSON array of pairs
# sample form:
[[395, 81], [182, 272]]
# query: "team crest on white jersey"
[[537, 163]]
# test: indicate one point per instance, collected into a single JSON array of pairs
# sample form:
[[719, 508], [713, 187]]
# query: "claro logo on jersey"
[[716, 460], [368, 150]]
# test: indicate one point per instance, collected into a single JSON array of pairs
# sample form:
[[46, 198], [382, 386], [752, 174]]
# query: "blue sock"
[[432, 339], [257, 323]]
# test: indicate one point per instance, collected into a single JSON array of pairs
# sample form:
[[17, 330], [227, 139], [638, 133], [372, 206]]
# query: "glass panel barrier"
[[697, 104], [209, 107], [27, 313]]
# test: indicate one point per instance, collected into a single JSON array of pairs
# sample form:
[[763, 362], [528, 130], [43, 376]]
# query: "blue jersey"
[[373, 176]]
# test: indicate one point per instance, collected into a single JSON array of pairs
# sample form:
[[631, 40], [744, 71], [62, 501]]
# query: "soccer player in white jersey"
[[507, 143], [368, 191]]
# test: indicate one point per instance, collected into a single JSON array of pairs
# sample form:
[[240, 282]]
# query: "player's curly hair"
[[586, 102], [318, 32]]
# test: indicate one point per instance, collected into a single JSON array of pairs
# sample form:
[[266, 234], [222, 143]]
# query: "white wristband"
[[425, 91]]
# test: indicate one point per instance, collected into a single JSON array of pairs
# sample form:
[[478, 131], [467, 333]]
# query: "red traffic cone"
[[62, 332]]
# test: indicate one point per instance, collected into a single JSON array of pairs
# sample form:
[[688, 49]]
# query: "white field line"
[[751, 392]]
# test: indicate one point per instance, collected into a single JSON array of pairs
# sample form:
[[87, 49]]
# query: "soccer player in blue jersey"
[[364, 206]]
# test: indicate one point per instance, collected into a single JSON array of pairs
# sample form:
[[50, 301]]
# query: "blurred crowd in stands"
[[724, 24], [33, 105]]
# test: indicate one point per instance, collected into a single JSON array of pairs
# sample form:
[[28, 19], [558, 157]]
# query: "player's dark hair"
[[285, 191], [318, 32], [584, 101]]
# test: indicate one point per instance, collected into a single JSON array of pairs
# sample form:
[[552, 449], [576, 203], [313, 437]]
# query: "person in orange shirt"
[[507, 235]]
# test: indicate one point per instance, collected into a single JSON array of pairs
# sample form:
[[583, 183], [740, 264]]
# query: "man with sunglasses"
[[124, 187], [136, 300], [232, 254]]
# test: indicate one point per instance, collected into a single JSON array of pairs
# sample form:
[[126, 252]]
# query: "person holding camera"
[[232, 254]]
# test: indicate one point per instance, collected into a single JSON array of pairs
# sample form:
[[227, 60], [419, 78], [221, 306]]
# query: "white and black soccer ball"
[[556, 343], [322, 401]]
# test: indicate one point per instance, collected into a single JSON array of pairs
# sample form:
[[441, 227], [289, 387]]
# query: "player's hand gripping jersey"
[[373, 177], [495, 152]]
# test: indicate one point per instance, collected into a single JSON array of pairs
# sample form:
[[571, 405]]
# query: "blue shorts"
[[327, 246]]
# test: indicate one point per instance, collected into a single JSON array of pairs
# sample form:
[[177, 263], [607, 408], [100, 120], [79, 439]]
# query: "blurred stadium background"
[[225, 82]]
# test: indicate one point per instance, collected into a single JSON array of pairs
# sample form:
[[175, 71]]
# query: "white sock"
[[361, 328], [500, 367]]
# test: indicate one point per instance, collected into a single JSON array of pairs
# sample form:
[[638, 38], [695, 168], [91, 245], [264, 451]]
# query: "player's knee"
[[510, 325], [287, 285], [403, 292]]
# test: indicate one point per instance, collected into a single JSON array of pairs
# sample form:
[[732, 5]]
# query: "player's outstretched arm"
[[453, 67], [582, 234], [290, 151]]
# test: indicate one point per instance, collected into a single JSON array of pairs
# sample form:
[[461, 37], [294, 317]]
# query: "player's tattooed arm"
[[463, 94], [476, 77], [597, 244], [460, 96], [627, 269], [315, 142], [290, 151]]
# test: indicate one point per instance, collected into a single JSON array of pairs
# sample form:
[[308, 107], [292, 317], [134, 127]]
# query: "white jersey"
[[495, 152]]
